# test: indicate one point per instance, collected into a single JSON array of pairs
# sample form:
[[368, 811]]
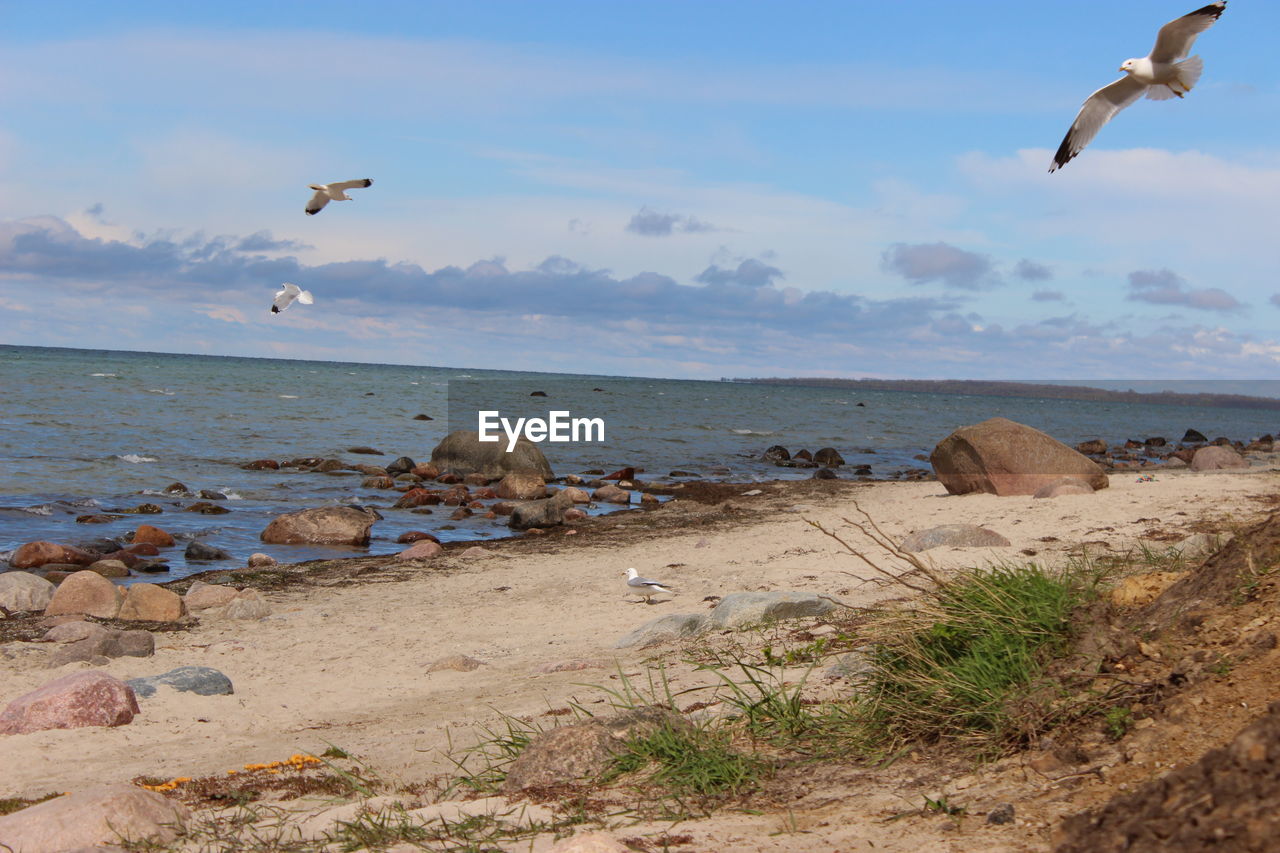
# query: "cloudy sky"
[[684, 189]]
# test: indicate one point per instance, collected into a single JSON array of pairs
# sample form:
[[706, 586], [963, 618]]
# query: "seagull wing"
[[645, 583], [1097, 110], [317, 203], [1176, 37], [284, 298], [343, 186], [304, 296]]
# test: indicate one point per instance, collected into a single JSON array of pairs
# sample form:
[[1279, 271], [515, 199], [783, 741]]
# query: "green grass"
[[965, 663], [690, 762], [1117, 721]]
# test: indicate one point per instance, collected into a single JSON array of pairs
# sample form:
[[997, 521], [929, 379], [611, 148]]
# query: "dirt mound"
[[1229, 800], [1223, 578]]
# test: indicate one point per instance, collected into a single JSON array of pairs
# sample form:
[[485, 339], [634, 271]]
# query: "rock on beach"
[[92, 819], [954, 536], [80, 699], [1002, 457], [200, 680], [329, 525], [24, 592], [88, 593]]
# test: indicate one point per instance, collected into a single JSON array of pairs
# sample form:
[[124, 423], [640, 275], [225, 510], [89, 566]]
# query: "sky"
[[675, 189]]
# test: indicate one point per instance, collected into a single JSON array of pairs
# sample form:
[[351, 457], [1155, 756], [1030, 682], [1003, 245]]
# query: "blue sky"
[[670, 189]]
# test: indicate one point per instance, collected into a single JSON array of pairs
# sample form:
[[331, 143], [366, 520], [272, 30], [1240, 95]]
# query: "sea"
[[95, 432]]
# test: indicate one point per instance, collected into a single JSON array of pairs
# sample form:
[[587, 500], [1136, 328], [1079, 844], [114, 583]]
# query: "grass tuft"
[[965, 663]]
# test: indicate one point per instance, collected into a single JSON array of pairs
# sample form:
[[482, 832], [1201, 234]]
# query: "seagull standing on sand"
[[1164, 73], [326, 193], [643, 586], [286, 295]]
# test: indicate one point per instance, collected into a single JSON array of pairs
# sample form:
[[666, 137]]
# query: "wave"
[[165, 391], [287, 396], [105, 375], [135, 458], [752, 432]]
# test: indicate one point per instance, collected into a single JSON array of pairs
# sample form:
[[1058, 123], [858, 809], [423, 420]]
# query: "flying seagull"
[[326, 193], [287, 294], [644, 587], [1164, 74]]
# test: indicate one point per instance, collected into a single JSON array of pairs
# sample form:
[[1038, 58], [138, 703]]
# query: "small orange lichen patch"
[[297, 762], [167, 786], [290, 778]]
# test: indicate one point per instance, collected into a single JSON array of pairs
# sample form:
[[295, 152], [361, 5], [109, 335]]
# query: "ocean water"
[[89, 431]]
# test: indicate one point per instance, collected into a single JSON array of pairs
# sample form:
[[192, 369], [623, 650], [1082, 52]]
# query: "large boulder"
[[462, 452], [98, 818], [327, 525], [1001, 457], [85, 698], [23, 591], [88, 593]]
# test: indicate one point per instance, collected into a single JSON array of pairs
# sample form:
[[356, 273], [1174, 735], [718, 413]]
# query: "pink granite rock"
[[76, 700], [202, 596], [421, 550], [88, 593], [32, 555], [147, 602]]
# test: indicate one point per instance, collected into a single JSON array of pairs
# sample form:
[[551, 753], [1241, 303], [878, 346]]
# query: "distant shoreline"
[[989, 388]]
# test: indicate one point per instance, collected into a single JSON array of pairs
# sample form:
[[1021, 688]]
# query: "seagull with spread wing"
[[637, 585], [1165, 73], [337, 191], [286, 296]]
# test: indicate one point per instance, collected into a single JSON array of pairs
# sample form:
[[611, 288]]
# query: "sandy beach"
[[347, 661]]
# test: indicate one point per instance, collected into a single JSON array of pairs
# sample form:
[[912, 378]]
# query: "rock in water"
[[521, 486], [612, 494], [81, 699], [829, 456], [152, 535], [93, 819], [33, 555], [544, 513], [201, 551], [1001, 457], [462, 452], [329, 525], [201, 680]]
